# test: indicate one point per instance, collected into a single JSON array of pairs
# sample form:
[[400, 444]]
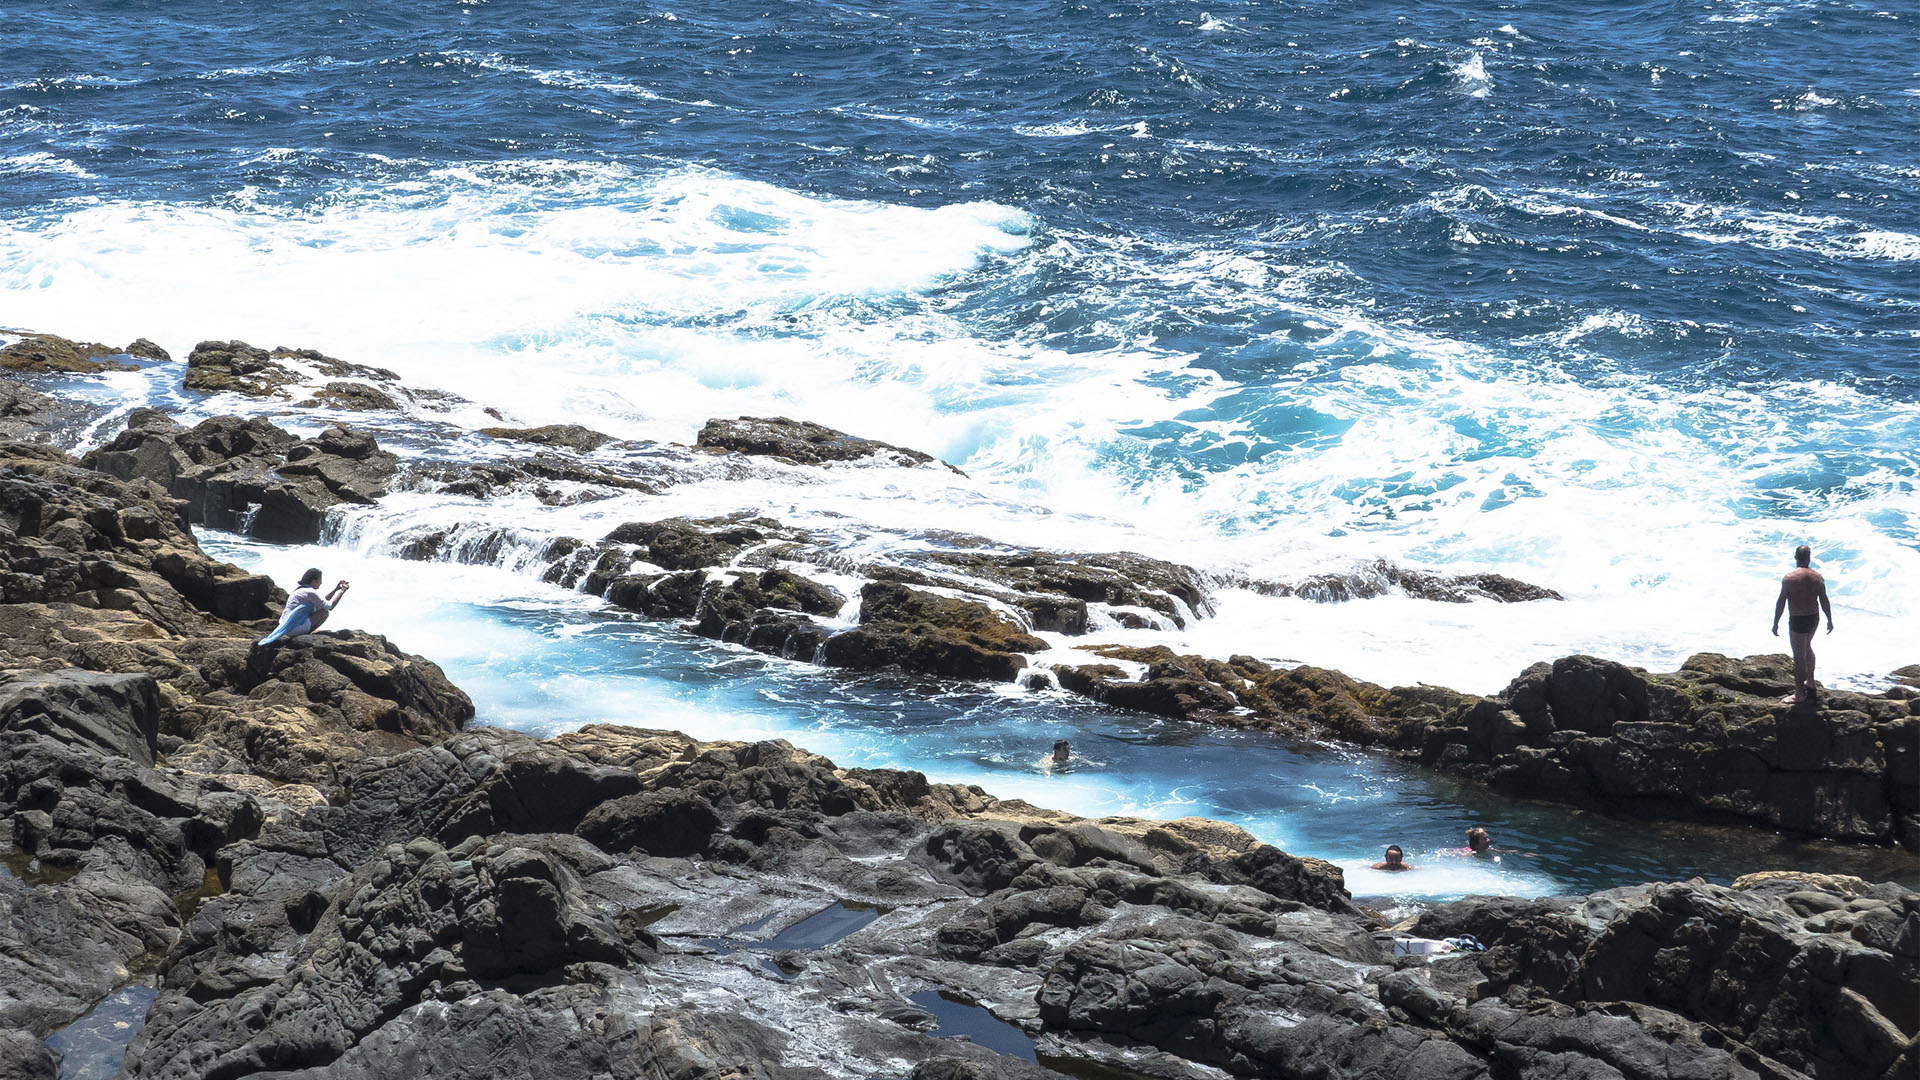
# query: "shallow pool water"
[[92, 1047], [543, 660]]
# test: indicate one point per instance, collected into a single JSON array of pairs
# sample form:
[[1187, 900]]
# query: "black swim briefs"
[[1802, 624]]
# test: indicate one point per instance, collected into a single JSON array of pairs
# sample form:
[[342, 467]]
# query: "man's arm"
[[1825, 604], [1779, 606]]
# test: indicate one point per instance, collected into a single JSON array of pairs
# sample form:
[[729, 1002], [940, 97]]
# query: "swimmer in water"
[[1480, 846], [1062, 750], [1394, 861]]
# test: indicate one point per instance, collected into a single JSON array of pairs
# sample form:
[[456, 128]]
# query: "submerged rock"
[[1379, 577]]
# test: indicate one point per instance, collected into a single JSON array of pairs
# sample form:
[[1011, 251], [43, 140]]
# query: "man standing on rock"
[[1803, 594]]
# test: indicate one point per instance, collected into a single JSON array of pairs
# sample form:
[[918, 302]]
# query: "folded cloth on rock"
[[1419, 946]]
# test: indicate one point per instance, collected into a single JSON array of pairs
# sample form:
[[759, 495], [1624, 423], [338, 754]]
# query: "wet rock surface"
[[802, 442], [570, 436], [1379, 578], [235, 367], [250, 476]]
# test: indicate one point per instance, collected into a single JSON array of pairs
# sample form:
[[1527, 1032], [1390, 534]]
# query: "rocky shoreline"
[[327, 873], [1709, 742]]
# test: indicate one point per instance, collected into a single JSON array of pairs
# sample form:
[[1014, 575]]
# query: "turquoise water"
[[541, 660]]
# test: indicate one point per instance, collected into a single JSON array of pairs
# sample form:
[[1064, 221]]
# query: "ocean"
[[1619, 300]]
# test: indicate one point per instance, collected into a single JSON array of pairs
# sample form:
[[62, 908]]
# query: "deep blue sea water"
[[1617, 298]]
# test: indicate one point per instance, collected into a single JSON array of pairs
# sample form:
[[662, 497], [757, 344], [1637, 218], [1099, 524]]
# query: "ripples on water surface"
[[1614, 299]]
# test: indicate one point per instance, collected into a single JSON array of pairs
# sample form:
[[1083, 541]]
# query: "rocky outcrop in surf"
[[1711, 741], [1707, 742], [52, 354], [250, 476], [235, 367], [802, 442]]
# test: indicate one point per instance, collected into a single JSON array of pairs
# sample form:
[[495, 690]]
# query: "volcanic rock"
[[570, 436], [219, 367], [1379, 577], [103, 575], [350, 396], [1710, 741], [41, 353], [919, 631], [250, 475], [802, 442]]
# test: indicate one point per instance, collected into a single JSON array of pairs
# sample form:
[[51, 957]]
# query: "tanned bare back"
[[1803, 595]]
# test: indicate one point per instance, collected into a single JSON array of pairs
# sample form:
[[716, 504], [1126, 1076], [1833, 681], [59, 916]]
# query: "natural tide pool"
[[542, 660]]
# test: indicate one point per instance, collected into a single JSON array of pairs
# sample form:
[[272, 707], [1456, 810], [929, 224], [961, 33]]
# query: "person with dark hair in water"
[[1394, 861], [1803, 595], [1062, 751], [306, 609], [1479, 843]]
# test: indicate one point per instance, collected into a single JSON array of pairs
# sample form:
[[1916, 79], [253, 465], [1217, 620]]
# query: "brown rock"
[[570, 436], [43, 353], [801, 442]]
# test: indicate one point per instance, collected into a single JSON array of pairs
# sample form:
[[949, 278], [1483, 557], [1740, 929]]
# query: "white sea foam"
[[41, 163], [1472, 77], [642, 302], [561, 77]]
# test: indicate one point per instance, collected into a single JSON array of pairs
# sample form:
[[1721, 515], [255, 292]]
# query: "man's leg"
[[1802, 664]]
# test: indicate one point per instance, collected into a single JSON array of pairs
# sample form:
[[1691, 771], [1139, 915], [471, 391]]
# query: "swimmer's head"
[[1478, 840], [1394, 855]]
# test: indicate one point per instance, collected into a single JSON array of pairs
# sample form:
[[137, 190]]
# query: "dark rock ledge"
[[803, 443], [1708, 742], [328, 879]]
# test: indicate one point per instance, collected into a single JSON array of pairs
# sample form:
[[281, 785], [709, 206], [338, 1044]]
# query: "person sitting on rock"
[[1062, 750], [306, 608], [1394, 861]]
